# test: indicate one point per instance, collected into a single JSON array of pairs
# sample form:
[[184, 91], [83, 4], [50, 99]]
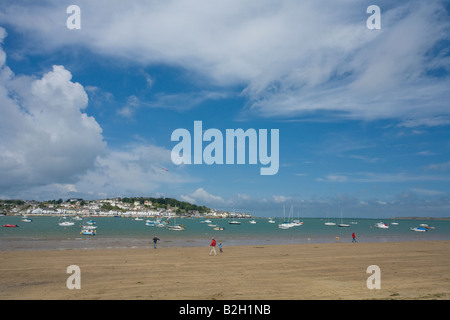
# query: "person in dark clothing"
[[155, 239]]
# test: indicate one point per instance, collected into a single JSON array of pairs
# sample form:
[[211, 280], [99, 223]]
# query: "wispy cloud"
[[130, 107], [445, 166], [334, 178], [427, 192], [365, 158], [293, 59], [374, 177], [426, 153], [280, 198], [183, 101], [426, 122]]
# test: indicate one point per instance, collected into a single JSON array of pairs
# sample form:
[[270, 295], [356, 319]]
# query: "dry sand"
[[409, 270]]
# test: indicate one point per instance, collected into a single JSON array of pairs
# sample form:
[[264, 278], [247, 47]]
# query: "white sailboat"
[[328, 222], [286, 224], [297, 222], [342, 224], [64, 223], [176, 227], [234, 221]]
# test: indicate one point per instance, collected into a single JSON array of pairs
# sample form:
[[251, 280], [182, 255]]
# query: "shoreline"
[[409, 270], [98, 243]]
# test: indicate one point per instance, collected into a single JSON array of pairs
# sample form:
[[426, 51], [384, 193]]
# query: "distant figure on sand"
[[213, 247], [155, 239], [220, 247], [353, 237]]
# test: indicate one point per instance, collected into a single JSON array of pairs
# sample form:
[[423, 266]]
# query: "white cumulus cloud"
[[45, 135], [202, 196]]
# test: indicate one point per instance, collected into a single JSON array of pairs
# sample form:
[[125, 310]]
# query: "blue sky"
[[363, 115]]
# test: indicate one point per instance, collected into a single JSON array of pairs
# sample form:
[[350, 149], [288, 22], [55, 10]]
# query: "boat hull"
[[66, 224], [419, 229], [88, 232]]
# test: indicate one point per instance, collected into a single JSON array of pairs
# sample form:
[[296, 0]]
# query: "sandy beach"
[[408, 270]]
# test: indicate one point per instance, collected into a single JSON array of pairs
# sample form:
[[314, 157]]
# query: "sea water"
[[45, 233]]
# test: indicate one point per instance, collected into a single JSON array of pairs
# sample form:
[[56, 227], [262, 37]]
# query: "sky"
[[363, 114]]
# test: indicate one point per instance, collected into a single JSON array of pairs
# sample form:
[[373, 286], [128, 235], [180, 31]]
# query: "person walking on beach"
[[155, 239], [220, 247], [353, 237], [213, 247]]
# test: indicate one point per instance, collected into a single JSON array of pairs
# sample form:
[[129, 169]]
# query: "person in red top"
[[213, 247], [354, 237]]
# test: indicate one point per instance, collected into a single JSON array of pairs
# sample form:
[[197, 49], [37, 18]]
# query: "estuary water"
[[45, 233]]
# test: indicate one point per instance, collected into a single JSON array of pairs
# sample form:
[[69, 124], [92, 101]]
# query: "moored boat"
[[343, 225], [178, 227], [64, 223], [419, 229], [88, 232], [381, 225], [285, 225], [424, 225], [297, 223]]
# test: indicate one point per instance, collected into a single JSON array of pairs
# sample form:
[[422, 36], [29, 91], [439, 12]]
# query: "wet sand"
[[408, 270]]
